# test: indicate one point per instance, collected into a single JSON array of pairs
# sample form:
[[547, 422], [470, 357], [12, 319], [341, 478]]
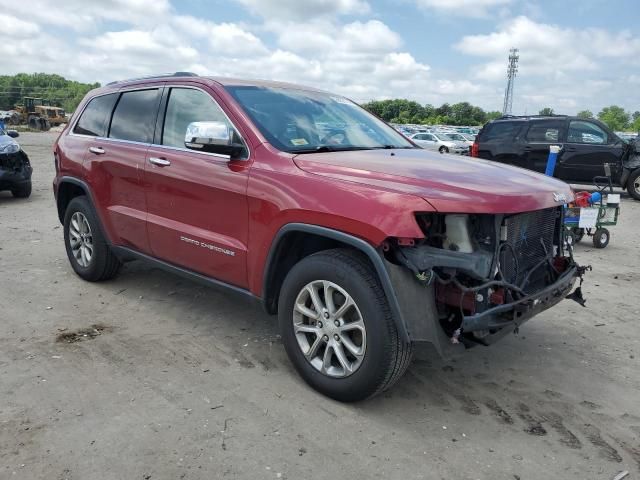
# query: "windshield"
[[456, 136], [444, 137], [303, 121]]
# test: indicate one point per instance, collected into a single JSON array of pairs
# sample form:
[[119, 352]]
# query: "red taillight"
[[475, 149]]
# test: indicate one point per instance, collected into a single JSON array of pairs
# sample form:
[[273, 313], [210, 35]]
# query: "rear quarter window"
[[95, 117], [500, 131]]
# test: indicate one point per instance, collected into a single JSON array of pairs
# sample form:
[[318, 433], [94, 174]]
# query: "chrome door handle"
[[161, 162], [97, 150]]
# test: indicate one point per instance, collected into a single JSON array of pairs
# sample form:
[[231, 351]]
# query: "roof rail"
[[504, 117], [162, 75]]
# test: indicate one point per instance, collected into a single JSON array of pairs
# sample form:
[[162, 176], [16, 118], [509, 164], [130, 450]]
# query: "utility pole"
[[511, 78]]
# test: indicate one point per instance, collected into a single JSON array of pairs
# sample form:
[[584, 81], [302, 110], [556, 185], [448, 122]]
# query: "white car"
[[440, 142], [467, 140]]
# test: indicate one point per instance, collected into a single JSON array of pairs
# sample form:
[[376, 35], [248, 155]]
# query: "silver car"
[[440, 142]]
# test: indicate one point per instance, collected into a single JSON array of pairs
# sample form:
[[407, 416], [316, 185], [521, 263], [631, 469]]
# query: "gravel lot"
[[151, 376]]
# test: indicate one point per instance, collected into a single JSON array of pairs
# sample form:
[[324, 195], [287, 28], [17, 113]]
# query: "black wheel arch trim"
[[374, 256], [80, 183], [87, 190]]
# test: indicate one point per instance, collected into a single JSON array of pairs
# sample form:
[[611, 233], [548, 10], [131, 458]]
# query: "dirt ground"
[[151, 376]]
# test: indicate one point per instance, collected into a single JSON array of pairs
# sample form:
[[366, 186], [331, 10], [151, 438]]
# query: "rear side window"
[[135, 116], [545, 131], [500, 131], [95, 117]]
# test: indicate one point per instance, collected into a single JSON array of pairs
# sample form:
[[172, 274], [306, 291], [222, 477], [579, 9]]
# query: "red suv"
[[360, 241]]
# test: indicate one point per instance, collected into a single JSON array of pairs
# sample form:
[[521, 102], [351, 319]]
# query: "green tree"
[[615, 117], [635, 115], [546, 111], [585, 114], [493, 115], [56, 89], [635, 125]]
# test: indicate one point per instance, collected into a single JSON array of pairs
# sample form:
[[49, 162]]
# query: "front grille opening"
[[529, 240]]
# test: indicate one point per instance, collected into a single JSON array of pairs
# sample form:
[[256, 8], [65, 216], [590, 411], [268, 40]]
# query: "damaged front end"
[[15, 168], [486, 274]]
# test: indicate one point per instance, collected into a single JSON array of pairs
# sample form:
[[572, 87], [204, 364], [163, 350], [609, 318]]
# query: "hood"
[[448, 183], [7, 140]]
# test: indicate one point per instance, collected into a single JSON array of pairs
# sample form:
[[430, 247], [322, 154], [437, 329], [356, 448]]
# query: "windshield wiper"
[[391, 147], [329, 148]]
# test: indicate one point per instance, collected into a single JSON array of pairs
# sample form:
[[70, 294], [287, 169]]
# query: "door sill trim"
[[126, 254]]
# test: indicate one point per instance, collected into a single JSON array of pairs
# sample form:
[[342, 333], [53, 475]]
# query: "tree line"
[[408, 111], [59, 91]]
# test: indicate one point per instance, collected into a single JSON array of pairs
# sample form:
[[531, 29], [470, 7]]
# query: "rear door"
[[197, 204], [540, 135], [587, 148], [115, 165]]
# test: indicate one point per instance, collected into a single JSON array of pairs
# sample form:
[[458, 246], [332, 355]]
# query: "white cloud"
[[546, 50], [461, 8], [16, 28], [305, 9], [84, 15]]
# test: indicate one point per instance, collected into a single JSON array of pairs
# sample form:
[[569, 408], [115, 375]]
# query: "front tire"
[[23, 191], [337, 327], [443, 149], [88, 252], [633, 184]]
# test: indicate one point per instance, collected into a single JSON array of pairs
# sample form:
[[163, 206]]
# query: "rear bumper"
[[518, 312]]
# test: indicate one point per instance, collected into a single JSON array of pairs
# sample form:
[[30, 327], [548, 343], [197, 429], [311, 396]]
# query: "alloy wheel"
[[329, 329], [81, 239]]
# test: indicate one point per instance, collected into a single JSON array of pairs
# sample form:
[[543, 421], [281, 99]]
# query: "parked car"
[[461, 139], [587, 145], [361, 242], [438, 141], [15, 168]]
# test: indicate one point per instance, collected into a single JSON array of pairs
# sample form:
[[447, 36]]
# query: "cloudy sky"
[[575, 54]]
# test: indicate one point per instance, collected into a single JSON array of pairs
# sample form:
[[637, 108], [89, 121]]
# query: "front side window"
[[296, 121], [186, 106], [135, 116], [586, 132], [95, 117]]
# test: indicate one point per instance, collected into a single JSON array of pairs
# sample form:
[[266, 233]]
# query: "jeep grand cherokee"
[[360, 241]]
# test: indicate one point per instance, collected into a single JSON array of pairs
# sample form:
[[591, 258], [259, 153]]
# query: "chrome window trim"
[[150, 87], [219, 155]]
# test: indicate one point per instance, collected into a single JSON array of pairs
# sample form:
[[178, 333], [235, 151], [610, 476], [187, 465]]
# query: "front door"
[[197, 204], [587, 149]]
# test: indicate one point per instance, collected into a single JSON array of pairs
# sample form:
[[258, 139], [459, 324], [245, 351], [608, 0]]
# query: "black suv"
[[587, 145]]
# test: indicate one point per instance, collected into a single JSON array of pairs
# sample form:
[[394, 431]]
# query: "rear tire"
[[23, 191], [633, 184], [307, 337], [601, 238], [88, 252]]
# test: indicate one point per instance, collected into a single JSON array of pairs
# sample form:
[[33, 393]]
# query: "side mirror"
[[13, 133], [212, 137]]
